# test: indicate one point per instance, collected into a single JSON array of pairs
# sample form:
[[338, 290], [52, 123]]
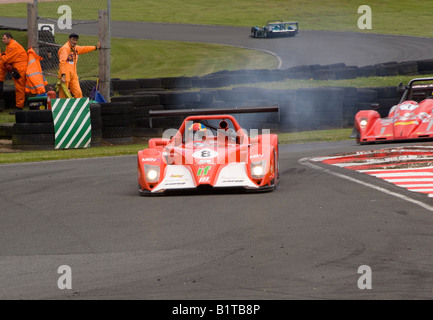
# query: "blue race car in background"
[[275, 28]]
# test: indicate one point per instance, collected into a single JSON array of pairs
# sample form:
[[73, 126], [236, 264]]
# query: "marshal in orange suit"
[[68, 57], [14, 60]]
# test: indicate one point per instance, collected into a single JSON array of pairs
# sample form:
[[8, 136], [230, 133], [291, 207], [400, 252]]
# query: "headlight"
[[151, 172], [258, 169], [363, 122]]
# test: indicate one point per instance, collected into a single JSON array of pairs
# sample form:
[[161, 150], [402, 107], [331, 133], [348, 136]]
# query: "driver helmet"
[[197, 131]]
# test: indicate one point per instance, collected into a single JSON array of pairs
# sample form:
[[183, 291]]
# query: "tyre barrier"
[[8, 97], [141, 105], [300, 110], [117, 122], [34, 129], [6, 130], [336, 71], [127, 117], [96, 121]]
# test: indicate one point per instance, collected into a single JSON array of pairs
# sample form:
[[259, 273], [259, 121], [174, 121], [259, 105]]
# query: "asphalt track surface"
[[306, 240], [308, 47]]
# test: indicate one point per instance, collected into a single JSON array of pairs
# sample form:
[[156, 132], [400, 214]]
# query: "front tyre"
[[276, 179]]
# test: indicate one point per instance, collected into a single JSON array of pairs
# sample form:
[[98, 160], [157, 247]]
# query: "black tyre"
[[129, 84], [408, 67], [95, 110], [367, 71], [154, 83], [30, 128], [148, 132], [138, 100], [33, 139], [276, 170], [34, 116], [33, 147], [143, 111], [6, 130], [367, 95], [116, 132], [119, 140], [385, 70], [176, 83], [96, 138], [97, 133], [117, 120], [96, 123], [425, 65], [109, 108], [150, 122]]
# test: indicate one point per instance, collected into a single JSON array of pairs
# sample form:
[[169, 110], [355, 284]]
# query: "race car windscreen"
[[202, 130], [420, 92]]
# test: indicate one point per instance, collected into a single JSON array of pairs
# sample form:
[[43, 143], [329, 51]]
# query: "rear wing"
[[281, 21], [212, 111], [412, 91]]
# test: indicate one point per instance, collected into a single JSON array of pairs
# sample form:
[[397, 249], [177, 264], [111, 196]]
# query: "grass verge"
[[361, 82], [47, 155], [153, 59]]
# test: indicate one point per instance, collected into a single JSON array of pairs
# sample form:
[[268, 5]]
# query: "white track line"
[[305, 162]]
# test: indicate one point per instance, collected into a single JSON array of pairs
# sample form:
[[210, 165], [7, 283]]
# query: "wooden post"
[[32, 26], [104, 54]]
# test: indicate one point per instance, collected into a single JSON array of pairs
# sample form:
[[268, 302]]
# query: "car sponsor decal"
[[204, 180], [234, 174], [176, 177], [203, 171], [256, 156], [408, 106]]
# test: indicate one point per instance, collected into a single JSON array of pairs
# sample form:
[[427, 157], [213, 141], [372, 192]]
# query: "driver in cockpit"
[[197, 132]]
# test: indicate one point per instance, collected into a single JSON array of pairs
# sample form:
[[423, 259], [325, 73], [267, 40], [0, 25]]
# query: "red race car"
[[411, 119], [209, 152]]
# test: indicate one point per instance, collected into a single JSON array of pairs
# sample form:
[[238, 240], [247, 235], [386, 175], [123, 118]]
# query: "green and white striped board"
[[72, 125]]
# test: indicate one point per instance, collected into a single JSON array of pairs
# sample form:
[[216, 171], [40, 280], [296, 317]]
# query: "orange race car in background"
[[209, 151], [411, 119]]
